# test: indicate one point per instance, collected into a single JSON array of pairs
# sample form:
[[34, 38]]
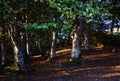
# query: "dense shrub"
[[105, 39]]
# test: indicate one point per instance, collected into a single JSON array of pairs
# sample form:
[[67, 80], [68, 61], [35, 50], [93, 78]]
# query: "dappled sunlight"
[[99, 47], [97, 65], [101, 71], [100, 56], [62, 73], [36, 56], [63, 51], [98, 68], [111, 74]]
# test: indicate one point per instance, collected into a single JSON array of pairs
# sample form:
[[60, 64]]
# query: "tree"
[[48, 20], [53, 46], [3, 26], [11, 24], [83, 12]]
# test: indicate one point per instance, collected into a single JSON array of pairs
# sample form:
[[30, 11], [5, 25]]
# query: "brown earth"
[[100, 64]]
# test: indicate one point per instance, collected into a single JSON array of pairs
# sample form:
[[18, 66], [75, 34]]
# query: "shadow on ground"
[[99, 65]]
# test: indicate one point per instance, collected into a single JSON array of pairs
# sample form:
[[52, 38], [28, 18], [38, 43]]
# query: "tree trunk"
[[78, 30], [28, 45], [87, 38], [112, 27], [75, 46], [39, 45], [3, 55], [18, 54], [53, 46], [23, 45]]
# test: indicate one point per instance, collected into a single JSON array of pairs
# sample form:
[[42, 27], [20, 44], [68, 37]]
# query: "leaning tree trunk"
[[78, 30], [18, 54], [53, 46]]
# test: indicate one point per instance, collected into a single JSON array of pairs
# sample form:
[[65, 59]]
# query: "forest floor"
[[100, 64]]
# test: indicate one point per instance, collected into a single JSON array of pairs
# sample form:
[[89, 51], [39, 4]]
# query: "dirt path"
[[99, 65]]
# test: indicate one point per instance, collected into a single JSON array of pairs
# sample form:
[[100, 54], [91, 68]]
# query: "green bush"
[[105, 39]]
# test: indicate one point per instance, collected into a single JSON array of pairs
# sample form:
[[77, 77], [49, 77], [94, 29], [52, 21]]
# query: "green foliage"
[[116, 33], [63, 43], [41, 18], [35, 26], [105, 39], [73, 8]]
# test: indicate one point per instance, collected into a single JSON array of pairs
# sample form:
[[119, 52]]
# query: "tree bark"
[[39, 45], [18, 54], [28, 45], [53, 46], [112, 26], [3, 55], [23, 45], [79, 26], [75, 46], [87, 38]]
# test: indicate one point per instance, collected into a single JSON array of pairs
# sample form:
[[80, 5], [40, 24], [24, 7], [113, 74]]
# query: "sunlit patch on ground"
[[100, 56], [99, 47], [36, 56], [63, 51]]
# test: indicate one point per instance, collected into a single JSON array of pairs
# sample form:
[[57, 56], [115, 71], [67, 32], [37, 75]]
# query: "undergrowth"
[[73, 62], [12, 73]]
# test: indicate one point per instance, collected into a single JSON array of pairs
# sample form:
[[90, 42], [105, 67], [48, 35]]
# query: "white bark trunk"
[[27, 48], [15, 53], [78, 30], [28, 45], [18, 55], [75, 47], [53, 46]]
